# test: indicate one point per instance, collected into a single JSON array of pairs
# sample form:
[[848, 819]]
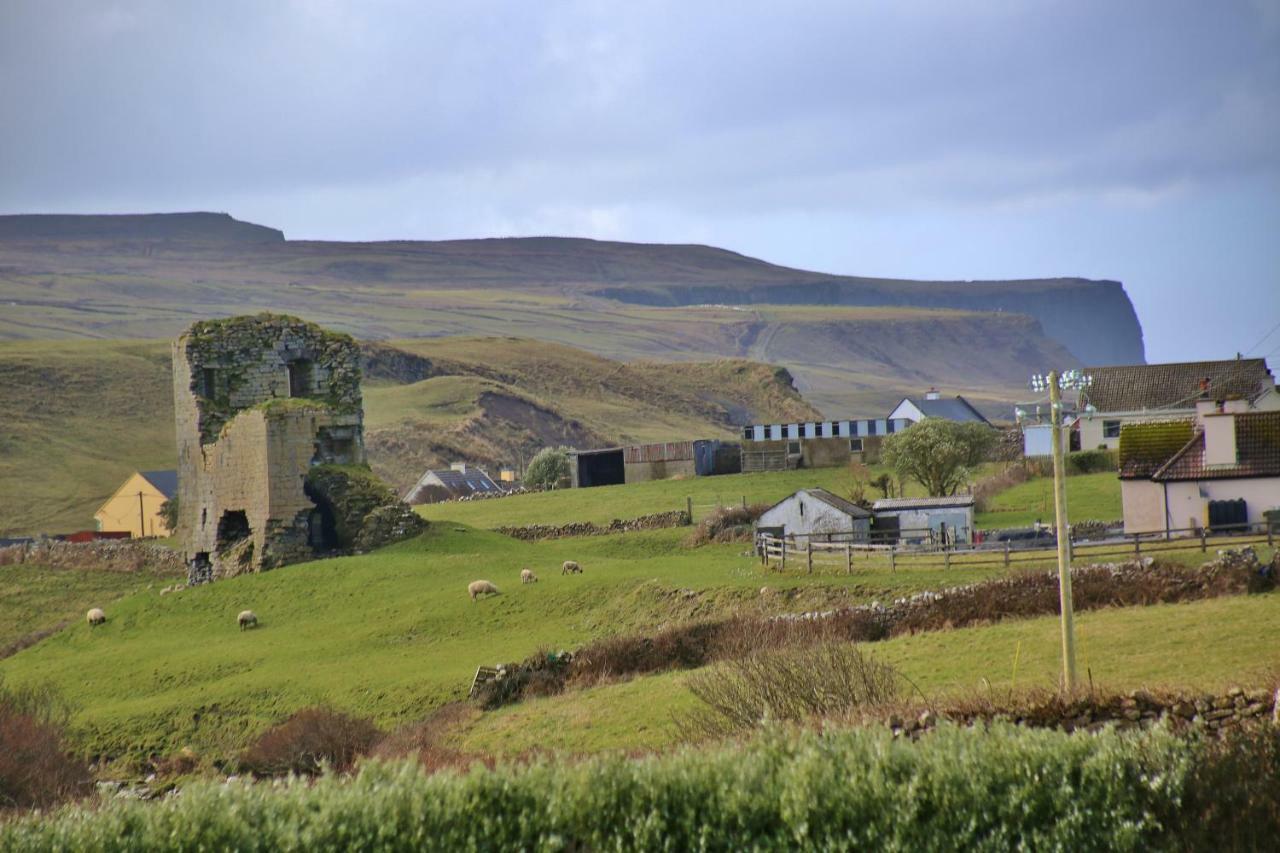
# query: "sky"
[[1136, 141]]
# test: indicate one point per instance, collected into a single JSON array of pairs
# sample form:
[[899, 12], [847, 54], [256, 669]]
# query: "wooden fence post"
[[1006, 554], [1271, 533], [848, 559], [808, 554], [1204, 547], [783, 567], [893, 558], [946, 557], [1137, 546], [688, 507], [744, 501]]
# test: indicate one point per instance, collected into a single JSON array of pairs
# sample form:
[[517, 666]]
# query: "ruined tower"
[[260, 402]]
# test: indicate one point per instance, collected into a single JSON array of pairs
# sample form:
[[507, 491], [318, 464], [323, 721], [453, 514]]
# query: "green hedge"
[[996, 789]]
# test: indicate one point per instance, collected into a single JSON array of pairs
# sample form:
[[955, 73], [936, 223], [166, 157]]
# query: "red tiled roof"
[[1134, 387], [1257, 453]]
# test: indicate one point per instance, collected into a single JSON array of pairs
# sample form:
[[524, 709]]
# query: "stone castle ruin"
[[271, 460]]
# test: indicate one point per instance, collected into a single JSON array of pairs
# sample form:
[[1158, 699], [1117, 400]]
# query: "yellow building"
[[135, 506]]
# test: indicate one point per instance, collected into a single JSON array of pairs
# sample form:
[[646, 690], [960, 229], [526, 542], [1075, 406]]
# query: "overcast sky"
[[1138, 141]]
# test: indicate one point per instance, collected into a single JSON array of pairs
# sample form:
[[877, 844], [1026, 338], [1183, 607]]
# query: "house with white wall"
[[1137, 393], [1219, 468], [934, 405]]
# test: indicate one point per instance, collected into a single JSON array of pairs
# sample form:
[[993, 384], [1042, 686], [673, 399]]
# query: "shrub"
[[36, 770], [426, 740], [787, 684], [727, 524], [1091, 461], [307, 741], [548, 469], [996, 788]]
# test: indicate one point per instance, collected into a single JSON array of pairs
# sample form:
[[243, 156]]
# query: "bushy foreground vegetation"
[[995, 789]]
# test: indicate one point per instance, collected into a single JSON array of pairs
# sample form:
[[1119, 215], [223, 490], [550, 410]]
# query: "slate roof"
[[921, 503], [948, 408], [465, 482], [1144, 447], [1134, 387], [166, 482], [836, 502], [1257, 453]]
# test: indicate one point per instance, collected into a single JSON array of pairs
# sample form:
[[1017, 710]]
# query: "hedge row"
[[993, 789]]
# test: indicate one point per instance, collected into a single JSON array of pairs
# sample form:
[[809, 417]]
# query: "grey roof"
[[922, 503], [849, 508], [1133, 387], [166, 482], [465, 482], [949, 408]]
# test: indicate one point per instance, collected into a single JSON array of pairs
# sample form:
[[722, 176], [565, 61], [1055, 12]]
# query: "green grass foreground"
[[954, 789]]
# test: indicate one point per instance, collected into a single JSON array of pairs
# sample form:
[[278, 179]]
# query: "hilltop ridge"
[[200, 226]]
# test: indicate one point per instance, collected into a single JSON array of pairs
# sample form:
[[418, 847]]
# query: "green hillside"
[[80, 416]]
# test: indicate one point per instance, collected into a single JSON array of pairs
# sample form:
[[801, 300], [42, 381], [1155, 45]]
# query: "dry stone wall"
[[103, 555], [656, 521]]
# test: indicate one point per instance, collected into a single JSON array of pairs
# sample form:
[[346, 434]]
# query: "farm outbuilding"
[[816, 513], [606, 467], [815, 444], [640, 463], [945, 520]]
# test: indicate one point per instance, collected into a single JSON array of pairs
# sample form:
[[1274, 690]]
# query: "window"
[[300, 378], [1110, 429], [801, 505], [208, 383], [855, 445], [793, 448], [748, 433]]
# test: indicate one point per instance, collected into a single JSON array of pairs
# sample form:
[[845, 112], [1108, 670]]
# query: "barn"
[[917, 521], [818, 514]]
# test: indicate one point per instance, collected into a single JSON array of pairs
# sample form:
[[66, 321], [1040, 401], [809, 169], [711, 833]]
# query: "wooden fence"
[[784, 554]]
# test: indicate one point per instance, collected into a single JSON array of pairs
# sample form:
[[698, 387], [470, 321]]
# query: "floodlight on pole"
[[1054, 382]]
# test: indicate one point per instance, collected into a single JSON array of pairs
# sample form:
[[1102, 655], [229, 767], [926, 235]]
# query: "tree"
[[169, 512], [548, 468], [939, 454]]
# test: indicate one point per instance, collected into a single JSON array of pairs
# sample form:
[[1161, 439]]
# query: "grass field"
[[1090, 497]]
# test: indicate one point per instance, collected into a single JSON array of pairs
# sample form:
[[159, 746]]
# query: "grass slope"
[[1089, 497], [390, 634], [1207, 644]]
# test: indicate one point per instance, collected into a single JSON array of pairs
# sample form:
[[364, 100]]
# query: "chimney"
[[932, 394], [1220, 438]]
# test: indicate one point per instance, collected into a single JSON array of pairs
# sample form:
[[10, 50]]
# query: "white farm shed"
[[816, 513], [926, 520]]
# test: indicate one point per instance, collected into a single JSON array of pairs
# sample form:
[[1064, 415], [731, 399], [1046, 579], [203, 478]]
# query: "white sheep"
[[95, 617], [478, 588], [570, 567], [247, 619], [527, 576]]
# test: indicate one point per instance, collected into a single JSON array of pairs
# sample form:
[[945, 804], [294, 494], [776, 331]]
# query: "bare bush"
[[36, 769], [309, 740], [988, 487], [428, 741], [793, 683], [727, 524]]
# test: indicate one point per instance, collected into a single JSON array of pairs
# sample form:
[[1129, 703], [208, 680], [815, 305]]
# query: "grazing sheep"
[[95, 617], [247, 619], [478, 588], [527, 576], [570, 567]]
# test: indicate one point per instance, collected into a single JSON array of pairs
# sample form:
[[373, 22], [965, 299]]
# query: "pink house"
[[1218, 468]]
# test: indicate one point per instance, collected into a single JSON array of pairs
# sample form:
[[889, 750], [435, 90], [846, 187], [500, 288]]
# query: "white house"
[[916, 520], [933, 405], [1220, 468], [1135, 393], [816, 513]]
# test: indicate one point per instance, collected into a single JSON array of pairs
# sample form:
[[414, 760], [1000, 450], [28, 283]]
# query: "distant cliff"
[[202, 227], [1093, 319]]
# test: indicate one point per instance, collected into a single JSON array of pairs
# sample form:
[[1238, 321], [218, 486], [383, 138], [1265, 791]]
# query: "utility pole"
[[1060, 520], [142, 518], [1053, 383]]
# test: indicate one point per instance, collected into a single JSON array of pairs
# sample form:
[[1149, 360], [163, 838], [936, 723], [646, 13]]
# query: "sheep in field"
[[478, 588], [95, 617], [570, 567], [247, 619], [527, 576]]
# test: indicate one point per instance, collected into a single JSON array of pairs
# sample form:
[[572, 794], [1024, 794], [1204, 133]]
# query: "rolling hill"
[[853, 344], [79, 416]]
